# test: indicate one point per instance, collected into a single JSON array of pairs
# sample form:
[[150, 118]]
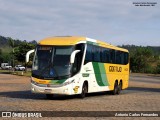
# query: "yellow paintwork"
[[103, 44], [72, 40], [39, 81], [112, 76], [61, 40]]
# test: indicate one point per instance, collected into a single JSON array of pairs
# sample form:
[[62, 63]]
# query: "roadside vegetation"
[[13, 51], [144, 59]]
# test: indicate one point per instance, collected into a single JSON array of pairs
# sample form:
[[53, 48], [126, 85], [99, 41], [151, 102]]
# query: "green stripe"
[[61, 81], [102, 69], [103, 74], [97, 74], [57, 81], [100, 74], [104, 79]]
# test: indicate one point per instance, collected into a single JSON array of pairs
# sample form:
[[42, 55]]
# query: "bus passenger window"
[[96, 54], [78, 59], [89, 55], [112, 56]]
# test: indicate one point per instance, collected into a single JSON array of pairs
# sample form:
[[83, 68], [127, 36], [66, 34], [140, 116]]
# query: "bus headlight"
[[33, 82], [69, 82]]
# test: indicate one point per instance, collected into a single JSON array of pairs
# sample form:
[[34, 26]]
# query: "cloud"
[[117, 22]]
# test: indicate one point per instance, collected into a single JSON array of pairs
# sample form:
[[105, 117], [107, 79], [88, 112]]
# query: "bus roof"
[[72, 40]]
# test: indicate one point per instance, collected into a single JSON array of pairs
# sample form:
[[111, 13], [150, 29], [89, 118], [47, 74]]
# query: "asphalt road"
[[143, 94]]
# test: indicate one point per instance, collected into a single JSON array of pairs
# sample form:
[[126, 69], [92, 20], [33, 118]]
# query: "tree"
[[33, 42], [140, 58], [1, 58], [21, 50], [5, 57], [11, 44]]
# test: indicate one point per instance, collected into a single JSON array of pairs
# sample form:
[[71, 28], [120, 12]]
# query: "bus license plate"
[[48, 90]]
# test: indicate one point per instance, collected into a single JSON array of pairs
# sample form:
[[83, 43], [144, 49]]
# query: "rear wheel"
[[84, 91], [119, 88], [49, 96], [115, 91]]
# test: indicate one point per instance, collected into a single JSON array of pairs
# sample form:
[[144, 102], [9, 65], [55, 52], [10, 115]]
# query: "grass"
[[19, 73]]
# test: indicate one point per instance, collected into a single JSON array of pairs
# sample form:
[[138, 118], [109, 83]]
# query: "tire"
[[115, 91], [119, 88], [49, 96], [84, 91]]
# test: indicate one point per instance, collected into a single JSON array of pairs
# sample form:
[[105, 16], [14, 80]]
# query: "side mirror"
[[28, 54], [72, 58]]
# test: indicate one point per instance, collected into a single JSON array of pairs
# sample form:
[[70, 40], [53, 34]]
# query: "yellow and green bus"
[[73, 65]]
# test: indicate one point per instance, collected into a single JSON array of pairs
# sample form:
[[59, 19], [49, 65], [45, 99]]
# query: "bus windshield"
[[52, 62]]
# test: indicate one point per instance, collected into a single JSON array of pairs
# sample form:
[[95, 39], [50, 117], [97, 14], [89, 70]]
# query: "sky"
[[118, 22]]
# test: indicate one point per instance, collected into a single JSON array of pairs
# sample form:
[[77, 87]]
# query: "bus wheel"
[[119, 88], [84, 91], [49, 96], [115, 91]]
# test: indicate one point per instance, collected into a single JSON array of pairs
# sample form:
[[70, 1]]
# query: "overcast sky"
[[114, 21]]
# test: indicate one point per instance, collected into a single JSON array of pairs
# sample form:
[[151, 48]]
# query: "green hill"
[[3, 41]]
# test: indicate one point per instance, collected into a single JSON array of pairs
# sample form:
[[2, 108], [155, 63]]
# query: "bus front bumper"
[[64, 90]]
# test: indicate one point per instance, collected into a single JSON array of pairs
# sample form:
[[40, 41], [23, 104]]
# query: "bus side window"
[[126, 58], [103, 55], [112, 56], [78, 59], [119, 57], [97, 57], [89, 55]]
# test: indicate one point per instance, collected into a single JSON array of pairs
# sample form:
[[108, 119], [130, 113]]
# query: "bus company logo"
[[6, 114], [115, 69]]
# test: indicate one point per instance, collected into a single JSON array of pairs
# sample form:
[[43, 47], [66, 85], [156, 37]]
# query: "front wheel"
[[84, 91]]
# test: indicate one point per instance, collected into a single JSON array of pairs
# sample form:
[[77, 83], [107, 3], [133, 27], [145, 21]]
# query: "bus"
[[72, 65]]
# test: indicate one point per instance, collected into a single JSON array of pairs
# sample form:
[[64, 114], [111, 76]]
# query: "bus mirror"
[[28, 54], [72, 58]]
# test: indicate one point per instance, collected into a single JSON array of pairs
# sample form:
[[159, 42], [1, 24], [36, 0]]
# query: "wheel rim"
[[84, 91]]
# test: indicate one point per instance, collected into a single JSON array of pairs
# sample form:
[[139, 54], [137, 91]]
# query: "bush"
[[158, 68]]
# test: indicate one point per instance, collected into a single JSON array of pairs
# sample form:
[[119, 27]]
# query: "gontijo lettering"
[[115, 69]]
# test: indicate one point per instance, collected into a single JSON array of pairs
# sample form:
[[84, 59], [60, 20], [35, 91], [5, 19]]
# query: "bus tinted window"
[[112, 56], [96, 52], [119, 57], [89, 54], [105, 55], [126, 58]]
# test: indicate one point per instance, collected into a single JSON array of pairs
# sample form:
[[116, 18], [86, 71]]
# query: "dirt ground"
[[143, 94]]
